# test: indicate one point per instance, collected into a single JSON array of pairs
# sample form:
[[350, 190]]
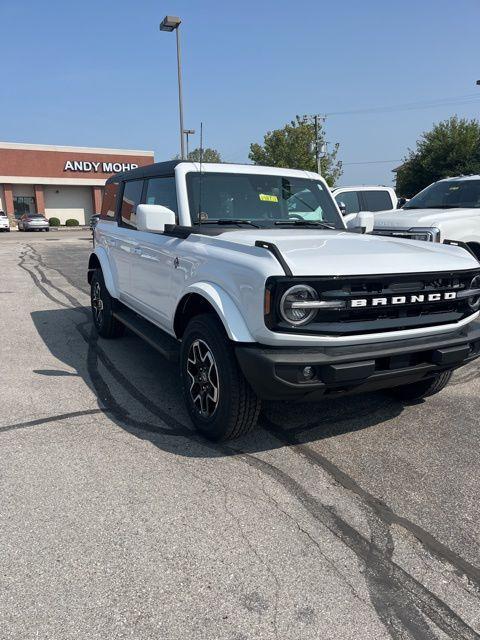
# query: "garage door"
[[68, 202]]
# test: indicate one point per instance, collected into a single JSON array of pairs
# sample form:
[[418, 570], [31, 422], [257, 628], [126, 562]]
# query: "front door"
[[23, 205], [154, 259], [123, 242]]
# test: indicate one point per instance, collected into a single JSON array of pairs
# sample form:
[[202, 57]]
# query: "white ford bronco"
[[250, 278], [446, 211]]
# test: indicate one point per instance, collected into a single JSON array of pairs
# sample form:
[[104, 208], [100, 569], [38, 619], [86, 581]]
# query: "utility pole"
[[320, 149]]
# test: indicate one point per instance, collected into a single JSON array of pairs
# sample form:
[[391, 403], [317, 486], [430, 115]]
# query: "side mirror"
[[154, 217], [343, 208], [362, 222], [401, 202]]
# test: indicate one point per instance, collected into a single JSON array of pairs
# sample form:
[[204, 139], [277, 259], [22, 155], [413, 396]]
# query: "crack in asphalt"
[[399, 599]]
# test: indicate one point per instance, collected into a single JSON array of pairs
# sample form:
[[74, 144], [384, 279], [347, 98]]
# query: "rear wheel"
[[103, 306], [423, 388], [219, 399]]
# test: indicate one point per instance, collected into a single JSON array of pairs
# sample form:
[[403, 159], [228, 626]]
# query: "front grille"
[[427, 235], [384, 317]]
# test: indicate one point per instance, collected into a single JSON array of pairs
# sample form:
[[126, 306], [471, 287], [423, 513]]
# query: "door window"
[[377, 200], [132, 195], [350, 200], [162, 191]]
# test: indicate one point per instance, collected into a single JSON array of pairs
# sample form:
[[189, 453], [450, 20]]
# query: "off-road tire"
[[237, 408], [105, 323], [423, 388]]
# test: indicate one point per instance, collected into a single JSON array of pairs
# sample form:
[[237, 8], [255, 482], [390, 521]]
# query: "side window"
[[350, 200], [132, 195], [162, 191], [377, 200], [109, 202]]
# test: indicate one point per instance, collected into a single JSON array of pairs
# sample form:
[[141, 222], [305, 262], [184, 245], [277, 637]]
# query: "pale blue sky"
[[101, 74]]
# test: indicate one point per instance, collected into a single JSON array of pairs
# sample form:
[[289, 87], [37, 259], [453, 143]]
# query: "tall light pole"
[[172, 23]]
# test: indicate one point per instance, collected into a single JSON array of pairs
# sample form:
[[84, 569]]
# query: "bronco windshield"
[[260, 200], [454, 194]]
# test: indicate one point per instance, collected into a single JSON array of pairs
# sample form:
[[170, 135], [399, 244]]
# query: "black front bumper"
[[276, 373]]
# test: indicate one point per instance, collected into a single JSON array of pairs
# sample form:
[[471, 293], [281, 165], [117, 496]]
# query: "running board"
[[167, 346]]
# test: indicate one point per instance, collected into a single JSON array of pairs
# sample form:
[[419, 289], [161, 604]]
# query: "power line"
[[373, 162], [408, 106]]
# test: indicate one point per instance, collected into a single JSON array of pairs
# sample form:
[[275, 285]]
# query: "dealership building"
[[60, 182]]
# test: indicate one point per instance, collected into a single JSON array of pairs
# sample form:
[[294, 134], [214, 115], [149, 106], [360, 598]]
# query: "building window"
[[22, 205]]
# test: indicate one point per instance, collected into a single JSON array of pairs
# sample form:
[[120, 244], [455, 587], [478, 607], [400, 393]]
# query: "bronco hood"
[[309, 252]]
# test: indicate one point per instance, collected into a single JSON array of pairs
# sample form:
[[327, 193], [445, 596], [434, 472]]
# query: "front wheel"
[[220, 402], [423, 388], [103, 305]]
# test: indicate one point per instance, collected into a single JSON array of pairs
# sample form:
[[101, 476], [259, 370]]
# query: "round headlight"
[[474, 301], [298, 314]]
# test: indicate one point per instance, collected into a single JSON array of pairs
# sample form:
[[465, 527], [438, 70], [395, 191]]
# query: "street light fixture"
[[188, 132], [172, 23]]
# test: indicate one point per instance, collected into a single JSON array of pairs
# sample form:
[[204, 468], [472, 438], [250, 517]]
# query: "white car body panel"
[[454, 224]]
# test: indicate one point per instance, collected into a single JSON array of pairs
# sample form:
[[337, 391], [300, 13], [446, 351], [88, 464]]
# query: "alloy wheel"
[[97, 303], [203, 377]]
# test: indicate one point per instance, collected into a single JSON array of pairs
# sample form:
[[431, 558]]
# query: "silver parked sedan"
[[33, 222]]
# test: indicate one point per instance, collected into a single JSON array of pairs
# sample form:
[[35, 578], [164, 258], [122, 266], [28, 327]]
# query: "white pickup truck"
[[250, 278], [447, 210]]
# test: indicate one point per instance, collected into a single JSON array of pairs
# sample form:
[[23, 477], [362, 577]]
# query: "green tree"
[[294, 147], [451, 148], [209, 155]]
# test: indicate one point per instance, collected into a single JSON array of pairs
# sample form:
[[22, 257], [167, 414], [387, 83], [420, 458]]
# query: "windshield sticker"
[[266, 197]]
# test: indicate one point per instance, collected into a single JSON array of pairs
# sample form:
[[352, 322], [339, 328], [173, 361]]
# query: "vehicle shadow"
[[140, 391]]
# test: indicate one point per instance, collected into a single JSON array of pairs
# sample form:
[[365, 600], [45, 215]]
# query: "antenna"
[[200, 180]]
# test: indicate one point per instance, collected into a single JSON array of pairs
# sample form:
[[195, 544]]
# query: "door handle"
[[110, 242], [137, 252]]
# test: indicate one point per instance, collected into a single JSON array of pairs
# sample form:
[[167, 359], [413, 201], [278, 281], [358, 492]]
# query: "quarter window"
[[162, 191], [132, 195], [109, 202]]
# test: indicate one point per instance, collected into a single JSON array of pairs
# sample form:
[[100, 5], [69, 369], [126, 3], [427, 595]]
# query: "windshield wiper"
[[305, 223], [228, 221]]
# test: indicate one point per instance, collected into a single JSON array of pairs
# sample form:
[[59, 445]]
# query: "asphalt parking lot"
[[355, 518]]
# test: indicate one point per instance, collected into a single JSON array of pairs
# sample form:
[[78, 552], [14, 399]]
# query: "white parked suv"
[[4, 222], [447, 210], [365, 198], [249, 276]]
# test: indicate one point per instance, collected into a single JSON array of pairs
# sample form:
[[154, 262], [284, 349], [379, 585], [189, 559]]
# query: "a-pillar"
[[97, 199], [8, 196], [40, 198]]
